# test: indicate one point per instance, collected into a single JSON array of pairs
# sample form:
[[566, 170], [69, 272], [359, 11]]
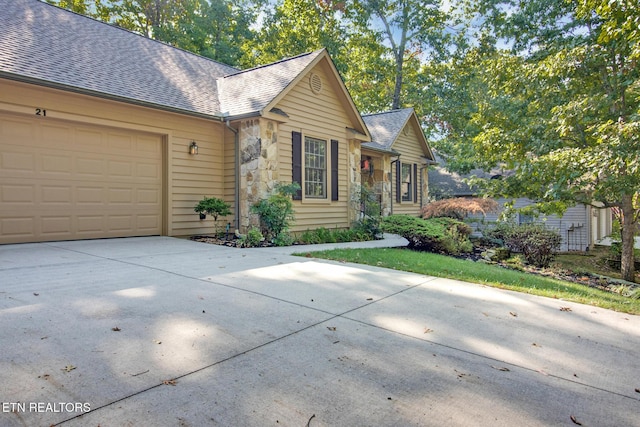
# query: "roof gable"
[[386, 128], [44, 44], [257, 91], [251, 91]]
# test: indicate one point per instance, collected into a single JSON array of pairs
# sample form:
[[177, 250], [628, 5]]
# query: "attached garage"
[[62, 181]]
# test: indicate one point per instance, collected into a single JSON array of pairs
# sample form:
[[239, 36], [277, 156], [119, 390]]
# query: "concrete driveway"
[[169, 332]]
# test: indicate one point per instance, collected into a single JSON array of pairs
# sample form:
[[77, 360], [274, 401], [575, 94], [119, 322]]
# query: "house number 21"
[[41, 112]]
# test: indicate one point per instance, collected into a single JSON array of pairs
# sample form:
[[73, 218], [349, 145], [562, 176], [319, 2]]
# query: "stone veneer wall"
[[258, 139], [355, 178], [425, 187], [385, 199]]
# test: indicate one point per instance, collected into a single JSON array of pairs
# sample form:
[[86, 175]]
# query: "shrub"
[[537, 244], [370, 217], [442, 235], [252, 239], [460, 207], [370, 227], [276, 212], [214, 207], [324, 235], [283, 239]]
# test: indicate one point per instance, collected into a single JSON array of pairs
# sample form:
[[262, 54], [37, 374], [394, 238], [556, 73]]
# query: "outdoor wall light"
[[193, 148]]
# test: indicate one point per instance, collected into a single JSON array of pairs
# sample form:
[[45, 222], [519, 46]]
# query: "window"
[[525, 218], [315, 168], [318, 179], [406, 183]]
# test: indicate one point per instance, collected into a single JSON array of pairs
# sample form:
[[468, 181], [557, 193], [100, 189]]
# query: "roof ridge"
[[388, 112], [117, 27], [274, 63]]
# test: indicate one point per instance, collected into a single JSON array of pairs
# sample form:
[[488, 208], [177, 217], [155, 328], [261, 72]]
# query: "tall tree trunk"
[[628, 224], [397, 90]]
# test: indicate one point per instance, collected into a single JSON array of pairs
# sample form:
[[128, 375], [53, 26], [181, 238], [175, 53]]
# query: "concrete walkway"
[[167, 332]]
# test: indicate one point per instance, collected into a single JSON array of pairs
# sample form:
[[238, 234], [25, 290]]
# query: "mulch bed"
[[604, 283]]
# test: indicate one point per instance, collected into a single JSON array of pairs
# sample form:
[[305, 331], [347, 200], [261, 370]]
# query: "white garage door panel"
[[61, 181]]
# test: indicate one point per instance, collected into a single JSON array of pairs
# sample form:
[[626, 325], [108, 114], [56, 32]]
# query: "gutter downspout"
[[236, 156]]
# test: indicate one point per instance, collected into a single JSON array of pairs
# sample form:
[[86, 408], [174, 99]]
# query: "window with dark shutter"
[[334, 169], [296, 138]]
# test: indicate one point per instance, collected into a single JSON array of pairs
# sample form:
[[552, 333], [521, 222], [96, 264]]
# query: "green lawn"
[[443, 266]]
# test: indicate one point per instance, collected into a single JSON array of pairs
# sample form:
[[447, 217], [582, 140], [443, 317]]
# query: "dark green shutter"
[[398, 181], [415, 183], [296, 162], [334, 169]]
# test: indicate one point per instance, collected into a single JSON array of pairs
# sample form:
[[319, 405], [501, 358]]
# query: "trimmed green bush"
[[252, 239], [276, 213], [338, 235], [441, 235]]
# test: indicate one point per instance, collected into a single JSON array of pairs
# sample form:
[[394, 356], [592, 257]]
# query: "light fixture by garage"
[[193, 148]]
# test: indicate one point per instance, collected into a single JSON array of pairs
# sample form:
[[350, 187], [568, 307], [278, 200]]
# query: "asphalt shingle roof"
[[452, 183], [252, 90], [386, 127], [43, 44]]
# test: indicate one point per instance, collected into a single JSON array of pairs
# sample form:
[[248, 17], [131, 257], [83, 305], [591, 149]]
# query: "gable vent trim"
[[315, 82]]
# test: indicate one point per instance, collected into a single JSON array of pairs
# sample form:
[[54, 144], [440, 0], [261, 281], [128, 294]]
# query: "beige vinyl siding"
[[319, 116], [229, 194], [186, 178], [411, 153]]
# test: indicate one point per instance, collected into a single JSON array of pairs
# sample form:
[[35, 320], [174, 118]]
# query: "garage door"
[[67, 181]]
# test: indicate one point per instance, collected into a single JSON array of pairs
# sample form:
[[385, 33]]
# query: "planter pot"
[[203, 216]]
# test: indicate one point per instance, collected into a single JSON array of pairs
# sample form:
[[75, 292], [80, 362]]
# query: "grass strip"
[[476, 272]]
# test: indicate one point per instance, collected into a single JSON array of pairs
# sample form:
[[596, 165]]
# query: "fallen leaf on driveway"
[[513, 313], [36, 294], [115, 329], [68, 368], [331, 328], [427, 330], [503, 369], [158, 342], [575, 421], [565, 308], [169, 382]]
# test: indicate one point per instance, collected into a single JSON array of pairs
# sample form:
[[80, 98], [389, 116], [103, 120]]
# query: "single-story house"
[[106, 133], [581, 226], [394, 163]]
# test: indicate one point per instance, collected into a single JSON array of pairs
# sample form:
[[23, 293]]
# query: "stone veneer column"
[[355, 178], [385, 196], [258, 140]]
